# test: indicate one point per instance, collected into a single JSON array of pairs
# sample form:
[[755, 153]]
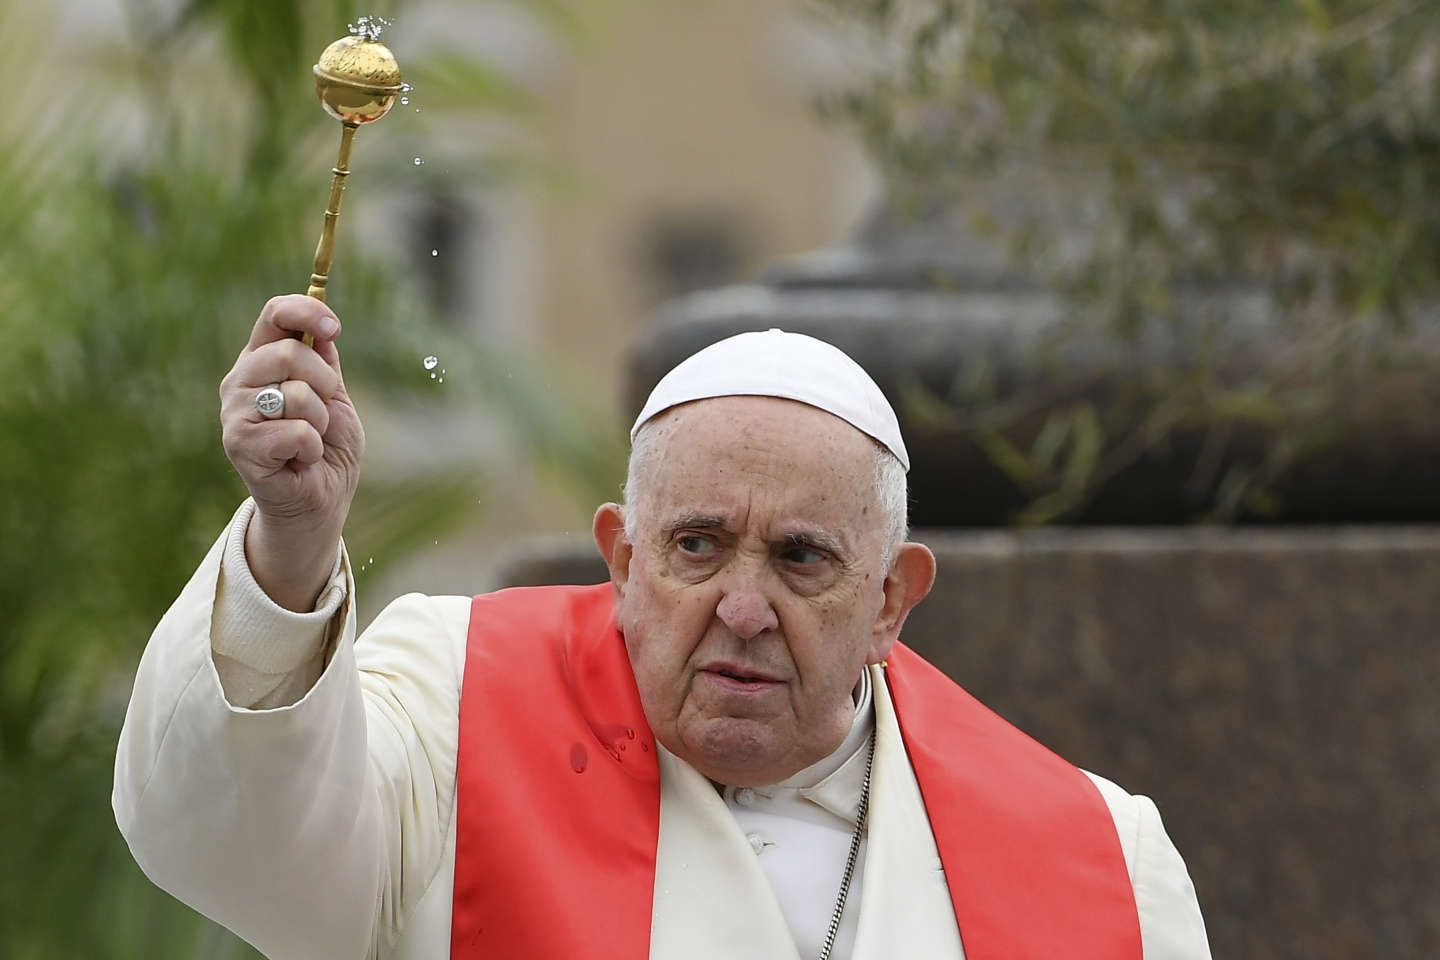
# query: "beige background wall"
[[679, 147], [692, 115]]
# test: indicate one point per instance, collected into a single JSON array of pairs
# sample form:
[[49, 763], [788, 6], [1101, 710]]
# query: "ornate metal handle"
[[325, 251]]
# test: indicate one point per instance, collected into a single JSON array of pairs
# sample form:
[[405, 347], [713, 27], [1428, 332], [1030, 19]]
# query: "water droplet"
[[419, 161], [434, 253], [404, 101], [371, 560], [431, 362], [432, 376], [406, 87], [579, 759], [644, 747], [442, 380], [629, 733], [622, 747], [417, 109], [369, 28]]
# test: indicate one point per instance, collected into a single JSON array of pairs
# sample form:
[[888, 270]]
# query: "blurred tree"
[[1290, 148], [131, 270]]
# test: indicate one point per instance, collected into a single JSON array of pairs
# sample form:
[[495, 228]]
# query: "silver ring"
[[270, 402]]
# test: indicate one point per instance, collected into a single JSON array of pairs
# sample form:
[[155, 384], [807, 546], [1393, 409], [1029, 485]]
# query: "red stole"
[[558, 802]]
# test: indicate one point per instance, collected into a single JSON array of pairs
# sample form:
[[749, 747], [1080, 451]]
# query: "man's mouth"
[[735, 676]]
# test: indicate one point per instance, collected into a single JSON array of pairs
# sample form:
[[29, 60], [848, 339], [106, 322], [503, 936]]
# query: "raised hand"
[[301, 465]]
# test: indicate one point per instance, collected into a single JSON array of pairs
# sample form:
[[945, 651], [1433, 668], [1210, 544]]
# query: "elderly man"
[[723, 752]]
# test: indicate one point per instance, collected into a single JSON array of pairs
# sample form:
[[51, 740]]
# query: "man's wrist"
[[250, 629], [292, 564]]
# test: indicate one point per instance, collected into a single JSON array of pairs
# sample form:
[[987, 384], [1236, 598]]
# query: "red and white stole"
[[558, 794]]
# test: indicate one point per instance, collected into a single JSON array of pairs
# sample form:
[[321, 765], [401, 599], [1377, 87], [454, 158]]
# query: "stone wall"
[[1276, 692]]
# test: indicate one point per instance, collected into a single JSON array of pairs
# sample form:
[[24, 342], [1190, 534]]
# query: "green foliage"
[[130, 273], [1290, 146]]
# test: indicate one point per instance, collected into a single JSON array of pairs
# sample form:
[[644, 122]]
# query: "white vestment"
[[297, 785]]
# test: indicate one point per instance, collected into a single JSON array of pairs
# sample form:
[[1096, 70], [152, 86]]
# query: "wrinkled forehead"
[[761, 458]]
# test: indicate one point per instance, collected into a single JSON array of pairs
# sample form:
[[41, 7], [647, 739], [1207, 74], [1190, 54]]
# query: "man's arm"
[[298, 788], [266, 655], [1171, 927]]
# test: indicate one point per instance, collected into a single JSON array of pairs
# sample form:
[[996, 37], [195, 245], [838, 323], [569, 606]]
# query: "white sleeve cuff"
[[250, 628]]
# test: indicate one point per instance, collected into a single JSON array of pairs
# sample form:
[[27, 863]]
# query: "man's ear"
[[912, 574], [614, 546]]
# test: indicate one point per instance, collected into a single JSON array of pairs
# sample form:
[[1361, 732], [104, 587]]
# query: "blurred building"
[[674, 146], [685, 154]]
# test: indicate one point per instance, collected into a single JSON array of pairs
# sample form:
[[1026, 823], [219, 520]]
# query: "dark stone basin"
[[951, 344]]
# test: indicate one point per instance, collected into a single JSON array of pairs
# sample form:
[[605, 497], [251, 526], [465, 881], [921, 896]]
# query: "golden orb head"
[[357, 79]]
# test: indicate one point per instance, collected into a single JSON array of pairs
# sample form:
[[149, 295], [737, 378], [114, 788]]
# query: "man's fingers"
[[303, 403], [281, 441], [285, 317], [327, 351], [280, 361]]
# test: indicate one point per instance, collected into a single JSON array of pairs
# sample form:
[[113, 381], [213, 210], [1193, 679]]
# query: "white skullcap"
[[791, 366]]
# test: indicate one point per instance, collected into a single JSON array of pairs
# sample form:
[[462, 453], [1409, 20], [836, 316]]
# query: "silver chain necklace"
[[862, 814]]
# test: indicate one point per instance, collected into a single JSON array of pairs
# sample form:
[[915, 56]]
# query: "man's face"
[[752, 595]]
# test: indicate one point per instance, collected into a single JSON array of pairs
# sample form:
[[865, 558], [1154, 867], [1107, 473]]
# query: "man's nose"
[[747, 612]]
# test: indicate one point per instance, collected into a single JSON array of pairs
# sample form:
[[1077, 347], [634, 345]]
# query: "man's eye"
[[695, 545], [803, 556]]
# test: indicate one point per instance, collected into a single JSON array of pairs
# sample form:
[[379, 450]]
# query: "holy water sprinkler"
[[358, 80]]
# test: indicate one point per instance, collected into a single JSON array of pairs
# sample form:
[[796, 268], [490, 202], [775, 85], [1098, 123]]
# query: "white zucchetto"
[[791, 366]]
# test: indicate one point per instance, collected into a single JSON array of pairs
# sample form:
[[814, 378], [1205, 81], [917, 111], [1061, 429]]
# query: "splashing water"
[[370, 28]]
